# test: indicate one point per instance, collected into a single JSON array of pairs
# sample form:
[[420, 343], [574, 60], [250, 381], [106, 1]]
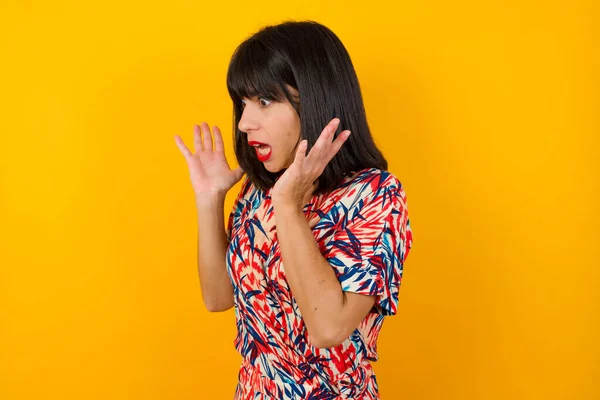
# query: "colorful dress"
[[362, 229]]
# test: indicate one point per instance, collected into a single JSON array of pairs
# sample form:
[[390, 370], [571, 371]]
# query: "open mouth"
[[263, 152]]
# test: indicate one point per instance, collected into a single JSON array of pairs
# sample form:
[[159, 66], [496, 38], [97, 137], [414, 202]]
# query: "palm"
[[209, 170]]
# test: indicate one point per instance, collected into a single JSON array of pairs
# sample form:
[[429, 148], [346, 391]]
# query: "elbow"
[[327, 338], [326, 344], [215, 306], [213, 309]]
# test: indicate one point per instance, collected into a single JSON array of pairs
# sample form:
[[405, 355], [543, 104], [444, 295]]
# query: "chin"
[[274, 171], [271, 168]]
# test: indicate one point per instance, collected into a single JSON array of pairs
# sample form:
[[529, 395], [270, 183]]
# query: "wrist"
[[288, 209], [208, 199]]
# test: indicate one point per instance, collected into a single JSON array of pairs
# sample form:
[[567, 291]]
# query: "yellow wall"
[[485, 110]]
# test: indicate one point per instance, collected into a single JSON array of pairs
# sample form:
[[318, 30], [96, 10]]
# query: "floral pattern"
[[363, 230]]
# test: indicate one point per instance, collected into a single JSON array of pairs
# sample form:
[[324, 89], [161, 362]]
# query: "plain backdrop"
[[486, 110]]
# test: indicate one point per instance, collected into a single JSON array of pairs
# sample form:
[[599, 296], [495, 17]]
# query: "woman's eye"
[[263, 102]]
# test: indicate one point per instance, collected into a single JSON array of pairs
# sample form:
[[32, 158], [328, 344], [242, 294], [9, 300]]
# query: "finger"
[[330, 129], [338, 143], [239, 172], [182, 147], [197, 139], [301, 153], [207, 142], [218, 139], [329, 132], [333, 124], [319, 149]]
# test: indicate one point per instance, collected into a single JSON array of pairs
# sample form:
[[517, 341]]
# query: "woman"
[[313, 252]]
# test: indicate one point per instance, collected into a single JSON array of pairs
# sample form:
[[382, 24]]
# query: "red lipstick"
[[263, 150]]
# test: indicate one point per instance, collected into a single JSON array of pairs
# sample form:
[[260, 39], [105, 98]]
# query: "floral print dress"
[[363, 230]]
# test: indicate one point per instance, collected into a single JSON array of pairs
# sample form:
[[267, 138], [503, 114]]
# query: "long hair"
[[310, 58]]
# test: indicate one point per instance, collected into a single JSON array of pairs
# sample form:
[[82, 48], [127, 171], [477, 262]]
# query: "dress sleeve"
[[372, 240], [237, 209]]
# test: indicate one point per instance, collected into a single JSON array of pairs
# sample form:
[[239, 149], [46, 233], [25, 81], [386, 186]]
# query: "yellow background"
[[486, 110]]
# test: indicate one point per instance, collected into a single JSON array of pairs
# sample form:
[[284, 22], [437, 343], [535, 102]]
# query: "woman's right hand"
[[209, 171]]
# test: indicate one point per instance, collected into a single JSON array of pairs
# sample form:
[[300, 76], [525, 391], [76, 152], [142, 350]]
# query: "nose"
[[248, 120]]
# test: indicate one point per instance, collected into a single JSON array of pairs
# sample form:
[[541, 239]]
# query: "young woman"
[[313, 252]]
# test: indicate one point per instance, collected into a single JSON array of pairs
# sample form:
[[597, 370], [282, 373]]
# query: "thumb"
[[238, 173]]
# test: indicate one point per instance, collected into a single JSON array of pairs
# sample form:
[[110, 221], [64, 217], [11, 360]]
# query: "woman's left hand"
[[299, 180]]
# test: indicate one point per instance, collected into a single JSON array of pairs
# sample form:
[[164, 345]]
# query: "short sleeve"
[[372, 240], [237, 209]]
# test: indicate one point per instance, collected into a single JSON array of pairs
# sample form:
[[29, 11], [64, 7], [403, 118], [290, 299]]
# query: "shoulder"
[[371, 184], [375, 178]]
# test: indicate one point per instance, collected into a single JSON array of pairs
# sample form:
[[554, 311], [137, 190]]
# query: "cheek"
[[289, 130], [286, 124], [294, 128], [292, 136]]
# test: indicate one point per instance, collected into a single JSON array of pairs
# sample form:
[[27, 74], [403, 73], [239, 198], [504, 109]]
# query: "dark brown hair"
[[310, 58]]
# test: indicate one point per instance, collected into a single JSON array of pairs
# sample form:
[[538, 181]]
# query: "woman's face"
[[274, 124]]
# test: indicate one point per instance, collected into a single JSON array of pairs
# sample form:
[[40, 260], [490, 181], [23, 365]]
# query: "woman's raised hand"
[[209, 171]]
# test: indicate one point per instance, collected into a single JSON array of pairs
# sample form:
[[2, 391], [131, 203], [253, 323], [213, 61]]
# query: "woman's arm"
[[329, 313], [217, 292], [211, 178]]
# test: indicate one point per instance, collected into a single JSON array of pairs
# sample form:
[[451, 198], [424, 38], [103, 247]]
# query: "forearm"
[[217, 292], [312, 280]]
